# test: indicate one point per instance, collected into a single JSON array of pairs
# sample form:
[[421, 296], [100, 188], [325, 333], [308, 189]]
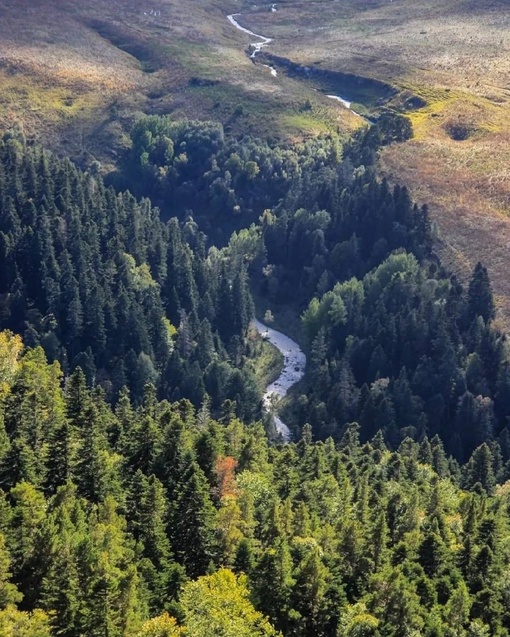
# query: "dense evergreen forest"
[[102, 283], [111, 516], [394, 342], [139, 494]]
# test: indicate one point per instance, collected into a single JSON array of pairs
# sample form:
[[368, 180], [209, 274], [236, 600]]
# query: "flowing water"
[[265, 41], [293, 371]]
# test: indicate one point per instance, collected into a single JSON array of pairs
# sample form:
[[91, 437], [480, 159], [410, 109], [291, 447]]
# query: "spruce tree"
[[192, 517], [479, 469], [480, 298], [8, 591]]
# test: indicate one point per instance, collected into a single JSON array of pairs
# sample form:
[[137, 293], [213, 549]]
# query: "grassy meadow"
[[75, 75]]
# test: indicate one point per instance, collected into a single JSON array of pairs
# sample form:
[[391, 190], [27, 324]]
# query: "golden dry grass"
[[466, 183], [75, 74], [454, 54]]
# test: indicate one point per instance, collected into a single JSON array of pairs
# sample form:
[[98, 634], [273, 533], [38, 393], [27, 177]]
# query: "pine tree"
[[144, 447], [77, 398], [309, 596], [8, 591], [27, 518], [480, 298], [275, 566], [244, 558], [479, 469], [60, 460], [380, 542], [439, 460], [171, 463], [192, 520], [61, 593], [432, 553], [161, 574], [114, 605], [425, 452], [91, 469]]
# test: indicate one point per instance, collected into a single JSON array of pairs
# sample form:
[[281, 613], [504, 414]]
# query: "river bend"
[[292, 372], [264, 41]]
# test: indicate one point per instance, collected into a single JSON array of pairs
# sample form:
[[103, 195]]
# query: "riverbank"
[[294, 363], [264, 41], [257, 46]]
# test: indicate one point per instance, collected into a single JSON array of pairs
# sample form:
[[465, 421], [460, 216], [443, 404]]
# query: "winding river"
[[264, 41], [257, 46], [292, 372], [294, 358]]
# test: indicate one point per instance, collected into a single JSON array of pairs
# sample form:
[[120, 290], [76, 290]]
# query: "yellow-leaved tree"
[[162, 626], [11, 347], [16, 623], [216, 605], [219, 605]]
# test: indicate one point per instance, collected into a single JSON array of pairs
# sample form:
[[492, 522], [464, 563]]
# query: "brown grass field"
[[75, 74], [455, 55]]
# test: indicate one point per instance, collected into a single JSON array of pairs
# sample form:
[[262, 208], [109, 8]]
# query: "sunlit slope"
[[453, 57], [77, 73]]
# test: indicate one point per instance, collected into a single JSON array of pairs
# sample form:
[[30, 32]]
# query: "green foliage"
[[219, 605], [15, 623], [480, 300], [387, 351], [334, 540], [8, 592], [117, 506], [102, 283], [190, 165], [192, 520]]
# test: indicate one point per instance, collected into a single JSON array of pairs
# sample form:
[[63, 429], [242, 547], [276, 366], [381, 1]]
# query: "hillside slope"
[[77, 74], [454, 58]]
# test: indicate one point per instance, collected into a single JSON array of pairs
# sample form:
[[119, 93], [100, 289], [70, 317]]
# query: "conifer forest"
[[145, 489]]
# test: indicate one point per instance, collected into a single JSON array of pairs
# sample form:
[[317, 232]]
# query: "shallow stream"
[[293, 371]]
